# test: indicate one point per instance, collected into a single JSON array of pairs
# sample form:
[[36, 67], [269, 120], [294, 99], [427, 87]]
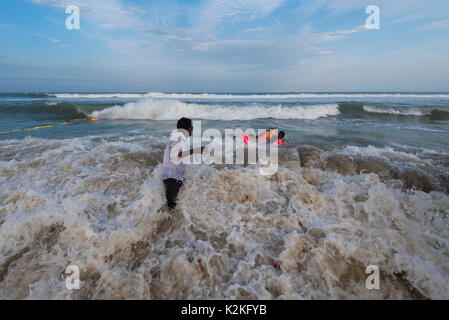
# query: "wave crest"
[[149, 109], [230, 96], [433, 113], [398, 111]]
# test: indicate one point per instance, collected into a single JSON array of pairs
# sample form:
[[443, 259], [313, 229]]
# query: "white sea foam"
[[98, 203], [398, 111], [280, 96], [172, 110], [292, 95], [387, 153]]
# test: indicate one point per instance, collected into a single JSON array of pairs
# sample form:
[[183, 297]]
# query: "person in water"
[[281, 137], [173, 168], [269, 134]]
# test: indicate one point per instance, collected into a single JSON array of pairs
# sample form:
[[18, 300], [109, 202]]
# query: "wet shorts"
[[172, 187]]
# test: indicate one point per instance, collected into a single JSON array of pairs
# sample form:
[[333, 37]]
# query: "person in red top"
[[268, 135], [281, 140]]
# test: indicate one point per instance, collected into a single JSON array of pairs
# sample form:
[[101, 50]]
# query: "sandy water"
[[305, 233]]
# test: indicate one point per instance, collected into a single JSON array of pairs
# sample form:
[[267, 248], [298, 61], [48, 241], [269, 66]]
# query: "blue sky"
[[224, 46]]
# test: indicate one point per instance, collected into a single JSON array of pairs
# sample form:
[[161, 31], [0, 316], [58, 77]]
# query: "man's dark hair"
[[281, 133], [184, 123]]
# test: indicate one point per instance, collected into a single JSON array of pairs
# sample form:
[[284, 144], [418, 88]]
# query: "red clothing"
[[266, 137], [245, 138]]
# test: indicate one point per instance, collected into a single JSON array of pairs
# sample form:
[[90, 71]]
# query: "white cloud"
[[398, 10], [256, 29], [436, 25], [199, 51], [218, 12], [104, 13], [198, 45], [175, 37], [48, 38]]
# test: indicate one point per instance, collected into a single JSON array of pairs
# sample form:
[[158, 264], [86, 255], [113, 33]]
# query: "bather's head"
[[185, 124]]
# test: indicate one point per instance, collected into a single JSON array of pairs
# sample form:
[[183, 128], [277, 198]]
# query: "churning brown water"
[[308, 232]]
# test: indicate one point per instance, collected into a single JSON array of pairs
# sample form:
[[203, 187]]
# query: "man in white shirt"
[[173, 166]]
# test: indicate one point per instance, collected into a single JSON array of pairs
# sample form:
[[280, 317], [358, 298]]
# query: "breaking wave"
[[434, 113], [151, 109], [160, 95], [405, 112]]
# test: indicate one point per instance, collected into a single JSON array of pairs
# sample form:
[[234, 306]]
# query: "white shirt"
[[174, 169]]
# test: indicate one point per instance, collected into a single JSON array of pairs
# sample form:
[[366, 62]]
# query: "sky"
[[224, 46]]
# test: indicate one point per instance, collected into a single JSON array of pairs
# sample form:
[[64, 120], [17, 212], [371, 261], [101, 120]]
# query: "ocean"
[[364, 181]]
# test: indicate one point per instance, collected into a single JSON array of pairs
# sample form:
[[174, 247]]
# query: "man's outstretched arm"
[[183, 154]]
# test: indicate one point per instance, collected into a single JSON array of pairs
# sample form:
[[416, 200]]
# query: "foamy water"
[[307, 232], [149, 109], [161, 95], [419, 112]]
